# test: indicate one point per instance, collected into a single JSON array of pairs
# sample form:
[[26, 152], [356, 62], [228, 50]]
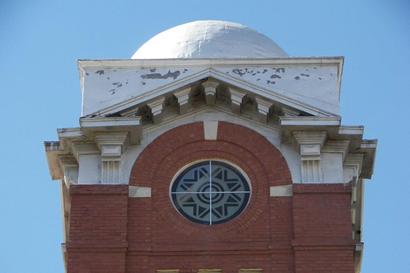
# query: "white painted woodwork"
[[236, 99], [156, 107], [111, 145], [310, 144], [210, 91], [183, 99], [311, 85], [89, 169]]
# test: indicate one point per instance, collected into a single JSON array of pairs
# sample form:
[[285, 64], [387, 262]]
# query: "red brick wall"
[[97, 240], [322, 228], [113, 233], [254, 239]]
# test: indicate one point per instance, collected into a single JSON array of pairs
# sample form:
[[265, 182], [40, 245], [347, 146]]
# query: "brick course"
[[309, 232]]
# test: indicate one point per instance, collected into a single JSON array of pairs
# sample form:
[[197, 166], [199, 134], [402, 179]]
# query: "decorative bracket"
[[263, 108], [337, 146], [69, 166], [156, 107], [112, 146], [236, 99], [210, 91], [353, 162], [288, 112], [183, 99], [310, 144]]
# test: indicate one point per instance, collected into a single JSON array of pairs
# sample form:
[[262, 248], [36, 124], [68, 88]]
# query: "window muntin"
[[210, 192]]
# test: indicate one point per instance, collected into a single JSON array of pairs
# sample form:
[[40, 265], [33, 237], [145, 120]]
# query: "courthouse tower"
[[211, 150]]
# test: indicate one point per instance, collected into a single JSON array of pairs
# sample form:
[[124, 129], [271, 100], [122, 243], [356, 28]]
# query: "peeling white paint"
[[314, 84], [103, 87]]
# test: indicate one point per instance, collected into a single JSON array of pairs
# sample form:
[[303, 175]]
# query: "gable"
[[111, 86]]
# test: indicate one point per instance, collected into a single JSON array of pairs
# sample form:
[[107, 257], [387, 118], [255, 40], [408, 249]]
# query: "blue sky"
[[41, 40]]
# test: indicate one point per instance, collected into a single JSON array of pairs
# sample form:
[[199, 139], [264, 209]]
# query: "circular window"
[[210, 192]]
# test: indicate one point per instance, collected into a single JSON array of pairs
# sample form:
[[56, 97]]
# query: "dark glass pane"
[[210, 192]]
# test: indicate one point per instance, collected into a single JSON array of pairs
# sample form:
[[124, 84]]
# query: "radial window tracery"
[[210, 192]]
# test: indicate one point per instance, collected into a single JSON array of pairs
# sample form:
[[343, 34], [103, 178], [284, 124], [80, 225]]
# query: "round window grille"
[[210, 192]]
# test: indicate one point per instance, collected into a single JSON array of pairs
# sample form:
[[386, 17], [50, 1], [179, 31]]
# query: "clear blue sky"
[[41, 40]]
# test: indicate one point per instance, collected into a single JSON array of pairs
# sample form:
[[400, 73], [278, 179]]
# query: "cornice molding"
[[156, 106], [113, 63], [310, 137], [236, 99], [183, 99], [210, 89], [264, 107], [310, 144], [97, 122], [336, 146]]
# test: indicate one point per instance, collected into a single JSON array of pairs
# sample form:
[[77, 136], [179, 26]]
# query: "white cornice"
[[79, 148], [109, 121], [351, 130], [70, 133], [310, 137], [309, 121], [126, 63], [227, 79], [336, 146], [368, 147], [53, 149]]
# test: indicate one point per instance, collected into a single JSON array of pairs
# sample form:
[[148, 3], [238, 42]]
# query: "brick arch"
[[172, 140], [253, 153]]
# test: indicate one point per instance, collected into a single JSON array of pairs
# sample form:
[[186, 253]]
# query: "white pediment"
[[309, 85]]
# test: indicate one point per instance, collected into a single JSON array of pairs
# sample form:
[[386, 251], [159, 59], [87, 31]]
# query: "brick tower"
[[211, 151]]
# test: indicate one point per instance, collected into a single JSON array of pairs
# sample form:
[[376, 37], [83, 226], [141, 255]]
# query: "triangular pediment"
[[225, 85], [312, 87]]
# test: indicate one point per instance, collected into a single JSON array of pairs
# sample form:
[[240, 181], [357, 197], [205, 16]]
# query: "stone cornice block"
[[67, 160], [336, 146], [351, 130], [210, 86], [183, 99], [308, 121], [309, 151], [288, 112], [80, 148], [98, 122], [210, 91], [110, 152], [310, 137], [112, 144], [310, 144], [236, 99], [64, 133], [355, 161], [115, 138], [263, 107], [156, 107]]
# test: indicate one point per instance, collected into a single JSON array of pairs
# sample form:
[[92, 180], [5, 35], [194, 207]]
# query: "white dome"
[[209, 39]]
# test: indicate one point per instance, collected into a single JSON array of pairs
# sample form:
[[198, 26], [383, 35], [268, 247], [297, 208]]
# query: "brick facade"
[[309, 232]]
